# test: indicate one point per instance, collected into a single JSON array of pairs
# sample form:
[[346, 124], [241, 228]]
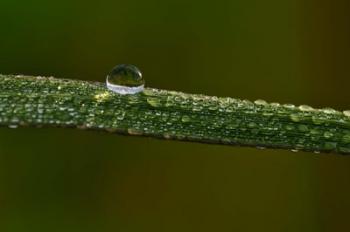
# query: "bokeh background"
[[291, 51]]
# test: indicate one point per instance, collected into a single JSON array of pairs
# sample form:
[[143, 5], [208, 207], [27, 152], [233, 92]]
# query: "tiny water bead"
[[125, 79], [260, 102], [305, 108]]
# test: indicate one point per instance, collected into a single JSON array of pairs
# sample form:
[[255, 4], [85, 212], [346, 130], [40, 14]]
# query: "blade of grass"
[[47, 101]]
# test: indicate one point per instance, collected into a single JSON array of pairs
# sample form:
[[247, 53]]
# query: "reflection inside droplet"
[[125, 79]]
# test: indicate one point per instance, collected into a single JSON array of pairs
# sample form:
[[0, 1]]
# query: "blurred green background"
[[291, 51]]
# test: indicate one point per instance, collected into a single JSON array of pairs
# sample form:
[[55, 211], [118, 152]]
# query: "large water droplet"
[[125, 79]]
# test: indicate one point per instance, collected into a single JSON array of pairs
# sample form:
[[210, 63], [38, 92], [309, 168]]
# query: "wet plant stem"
[[51, 102]]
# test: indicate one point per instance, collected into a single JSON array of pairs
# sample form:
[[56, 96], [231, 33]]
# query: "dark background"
[[290, 51]]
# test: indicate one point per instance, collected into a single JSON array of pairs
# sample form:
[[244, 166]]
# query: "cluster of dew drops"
[[304, 110], [127, 79]]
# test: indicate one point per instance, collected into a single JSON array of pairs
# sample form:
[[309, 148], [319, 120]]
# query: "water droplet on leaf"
[[329, 111], [289, 106], [275, 104], [125, 79], [330, 145], [251, 125], [346, 138], [347, 113], [290, 127], [317, 120], [305, 108], [303, 128], [185, 118], [260, 102], [295, 117], [155, 102], [328, 134]]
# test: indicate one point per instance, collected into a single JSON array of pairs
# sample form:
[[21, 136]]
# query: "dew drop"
[[100, 97], [267, 113], [289, 106], [155, 102], [303, 128], [185, 118], [314, 132], [317, 120], [346, 138], [295, 117], [251, 125], [275, 104], [346, 113], [329, 111], [197, 108], [305, 108], [344, 149], [330, 145], [125, 79], [260, 102], [133, 131], [328, 134]]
